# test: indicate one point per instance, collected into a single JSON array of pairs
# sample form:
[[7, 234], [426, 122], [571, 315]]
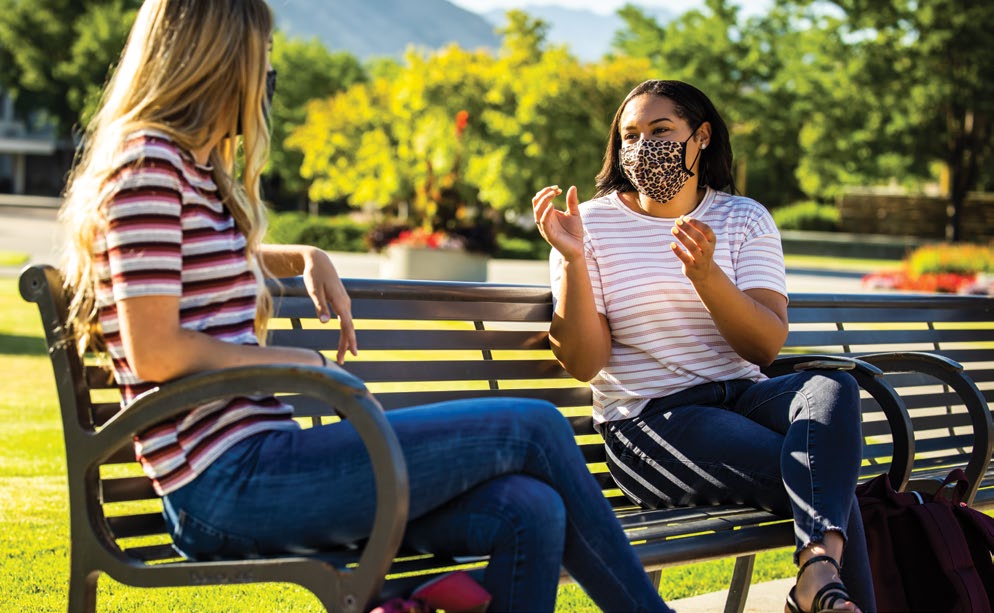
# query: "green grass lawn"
[[818, 262], [12, 258], [34, 530]]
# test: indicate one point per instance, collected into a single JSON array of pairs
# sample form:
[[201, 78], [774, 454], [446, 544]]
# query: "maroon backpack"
[[927, 552]]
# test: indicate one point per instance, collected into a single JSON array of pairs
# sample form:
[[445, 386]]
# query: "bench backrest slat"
[[127, 489], [137, 525], [457, 370]]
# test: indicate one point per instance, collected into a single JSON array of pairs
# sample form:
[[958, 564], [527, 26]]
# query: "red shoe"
[[455, 592]]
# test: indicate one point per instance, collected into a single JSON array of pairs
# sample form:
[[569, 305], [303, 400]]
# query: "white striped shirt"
[[663, 340]]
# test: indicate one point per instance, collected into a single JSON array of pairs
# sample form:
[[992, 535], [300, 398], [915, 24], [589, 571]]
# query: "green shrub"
[[809, 216], [521, 248], [946, 258], [339, 233]]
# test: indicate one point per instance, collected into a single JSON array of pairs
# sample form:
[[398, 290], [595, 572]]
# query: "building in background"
[[32, 161]]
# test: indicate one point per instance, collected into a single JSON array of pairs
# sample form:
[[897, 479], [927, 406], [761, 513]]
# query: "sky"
[[749, 7]]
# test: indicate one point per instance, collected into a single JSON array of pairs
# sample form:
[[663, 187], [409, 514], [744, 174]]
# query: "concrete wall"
[[919, 216]]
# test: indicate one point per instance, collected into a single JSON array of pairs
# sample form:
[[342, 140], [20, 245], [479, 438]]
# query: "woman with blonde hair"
[[166, 268]]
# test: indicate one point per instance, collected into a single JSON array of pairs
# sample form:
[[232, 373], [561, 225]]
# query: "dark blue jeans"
[[500, 477], [791, 445]]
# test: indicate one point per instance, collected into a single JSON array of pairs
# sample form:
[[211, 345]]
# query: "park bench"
[[422, 342]]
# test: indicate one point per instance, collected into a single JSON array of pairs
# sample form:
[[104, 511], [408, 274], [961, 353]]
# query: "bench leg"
[[83, 591], [655, 576], [738, 589]]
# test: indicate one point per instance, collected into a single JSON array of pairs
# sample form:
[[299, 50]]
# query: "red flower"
[[462, 120]]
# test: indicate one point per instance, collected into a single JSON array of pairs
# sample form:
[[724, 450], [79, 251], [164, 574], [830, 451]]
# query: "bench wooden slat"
[[849, 315], [838, 338], [102, 412], [396, 340], [457, 370], [426, 310], [563, 397], [152, 553], [943, 443], [141, 524], [126, 489], [99, 378]]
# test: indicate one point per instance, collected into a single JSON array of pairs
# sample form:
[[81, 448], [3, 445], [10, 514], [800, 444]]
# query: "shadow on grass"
[[15, 344]]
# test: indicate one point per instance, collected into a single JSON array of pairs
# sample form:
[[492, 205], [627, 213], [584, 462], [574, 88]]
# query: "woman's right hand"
[[562, 229]]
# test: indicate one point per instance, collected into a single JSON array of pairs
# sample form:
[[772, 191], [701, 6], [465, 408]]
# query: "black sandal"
[[826, 598]]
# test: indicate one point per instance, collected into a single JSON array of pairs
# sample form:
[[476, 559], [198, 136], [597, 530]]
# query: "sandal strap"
[[814, 559], [827, 591]]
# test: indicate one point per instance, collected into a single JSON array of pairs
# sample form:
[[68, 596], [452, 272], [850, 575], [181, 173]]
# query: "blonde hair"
[[193, 70]]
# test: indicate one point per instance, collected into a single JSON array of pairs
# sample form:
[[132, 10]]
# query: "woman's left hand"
[[695, 248], [325, 287]]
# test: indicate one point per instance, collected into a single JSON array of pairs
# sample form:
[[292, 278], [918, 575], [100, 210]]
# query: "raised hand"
[[695, 248], [562, 229]]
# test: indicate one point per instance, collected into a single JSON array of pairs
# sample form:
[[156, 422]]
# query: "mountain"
[[368, 28], [587, 34]]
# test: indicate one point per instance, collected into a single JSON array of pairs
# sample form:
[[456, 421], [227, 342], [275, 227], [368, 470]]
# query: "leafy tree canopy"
[[55, 55]]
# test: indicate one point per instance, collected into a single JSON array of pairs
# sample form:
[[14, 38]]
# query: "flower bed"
[[953, 269]]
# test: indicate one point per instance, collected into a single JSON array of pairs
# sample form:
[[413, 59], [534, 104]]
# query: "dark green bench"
[[423, 342]]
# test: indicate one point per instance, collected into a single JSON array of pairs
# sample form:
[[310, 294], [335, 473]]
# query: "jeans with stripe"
[[791, 445], [501, 477]]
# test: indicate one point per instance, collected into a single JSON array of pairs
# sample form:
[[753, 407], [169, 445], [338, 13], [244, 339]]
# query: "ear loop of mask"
[[699, 149]]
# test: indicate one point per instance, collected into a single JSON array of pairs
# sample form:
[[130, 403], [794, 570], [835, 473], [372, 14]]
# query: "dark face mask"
[[267, 101]]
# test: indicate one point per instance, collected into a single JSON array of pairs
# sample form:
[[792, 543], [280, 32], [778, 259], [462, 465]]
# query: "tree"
[[735, 63], [926, 67], [306, 71], [55, 54], [837, 125], [532, 116]]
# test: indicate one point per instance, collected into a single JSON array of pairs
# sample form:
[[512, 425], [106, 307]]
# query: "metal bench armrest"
[[952, 374], [346, 393]]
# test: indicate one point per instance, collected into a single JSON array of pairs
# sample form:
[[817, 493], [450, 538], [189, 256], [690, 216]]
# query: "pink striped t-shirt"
[[663, 339], [168, 234]]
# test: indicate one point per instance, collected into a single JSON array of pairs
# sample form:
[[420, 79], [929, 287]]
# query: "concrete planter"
[[401, 262]]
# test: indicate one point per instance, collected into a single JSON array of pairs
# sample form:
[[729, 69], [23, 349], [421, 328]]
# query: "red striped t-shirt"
[[168, 234]]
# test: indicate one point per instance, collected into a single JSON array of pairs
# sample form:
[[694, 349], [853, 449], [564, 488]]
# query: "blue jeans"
[[791, 445], [501, 477]]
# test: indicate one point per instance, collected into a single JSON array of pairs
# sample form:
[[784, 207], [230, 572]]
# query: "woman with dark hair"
[[670, 296]]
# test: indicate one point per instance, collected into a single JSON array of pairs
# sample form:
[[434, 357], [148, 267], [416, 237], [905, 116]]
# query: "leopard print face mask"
[[657, 168]]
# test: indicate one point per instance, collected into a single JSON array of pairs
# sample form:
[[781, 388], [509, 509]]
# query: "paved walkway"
[[766, 597]]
